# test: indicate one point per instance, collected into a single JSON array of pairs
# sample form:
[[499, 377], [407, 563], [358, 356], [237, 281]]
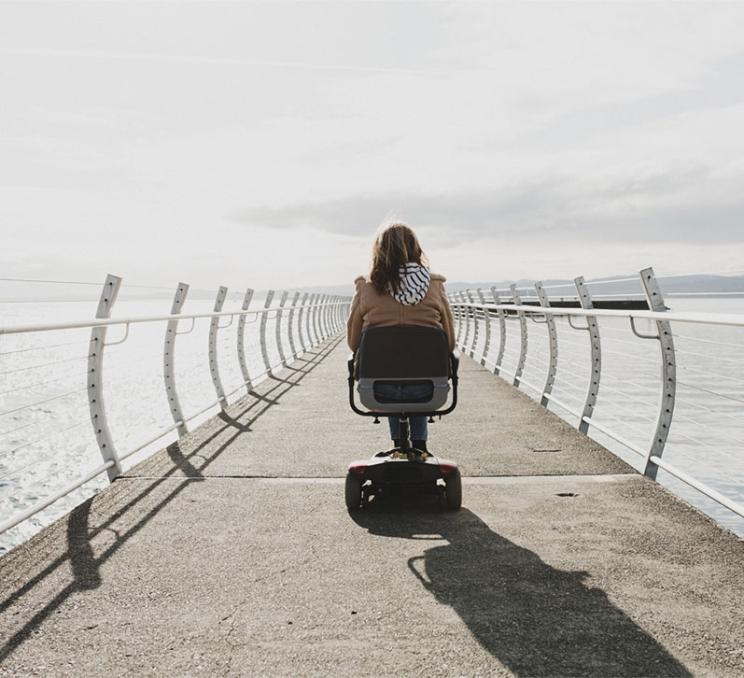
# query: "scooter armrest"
[[454, 363], [350, 364]]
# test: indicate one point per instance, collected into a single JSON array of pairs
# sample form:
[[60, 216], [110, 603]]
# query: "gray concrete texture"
[[559, 563], [304, 427]]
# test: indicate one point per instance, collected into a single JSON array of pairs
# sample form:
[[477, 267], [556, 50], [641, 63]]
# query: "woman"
[[400, 290]]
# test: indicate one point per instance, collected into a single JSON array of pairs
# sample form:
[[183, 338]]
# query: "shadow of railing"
[[535, 619], [84, 563]]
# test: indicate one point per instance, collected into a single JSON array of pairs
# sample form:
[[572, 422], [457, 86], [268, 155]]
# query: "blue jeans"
[[403, 393]]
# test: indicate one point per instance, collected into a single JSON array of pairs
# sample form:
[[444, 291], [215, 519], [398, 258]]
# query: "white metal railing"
[[548, 384], [307, 322]]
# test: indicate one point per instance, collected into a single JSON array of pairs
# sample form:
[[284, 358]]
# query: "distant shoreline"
[[673, 295]]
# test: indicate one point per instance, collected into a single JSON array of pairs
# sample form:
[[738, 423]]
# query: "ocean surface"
[[46, 441]]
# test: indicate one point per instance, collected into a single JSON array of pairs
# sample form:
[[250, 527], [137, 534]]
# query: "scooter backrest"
[[403, 355], [403, 352]]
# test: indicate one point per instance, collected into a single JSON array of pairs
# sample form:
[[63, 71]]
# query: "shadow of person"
[[535, 619]]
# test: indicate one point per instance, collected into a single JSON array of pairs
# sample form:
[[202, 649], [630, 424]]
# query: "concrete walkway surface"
[[231, 553]]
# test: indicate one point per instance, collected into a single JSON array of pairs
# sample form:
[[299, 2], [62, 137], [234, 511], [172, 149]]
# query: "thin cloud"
[[223, 61], [651, 208], [471, 211]]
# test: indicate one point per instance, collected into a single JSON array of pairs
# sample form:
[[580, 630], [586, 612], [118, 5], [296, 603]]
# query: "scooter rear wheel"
[[353, 492], [453, 490]]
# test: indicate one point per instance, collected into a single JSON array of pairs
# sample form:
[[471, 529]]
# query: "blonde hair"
[[396, 244]]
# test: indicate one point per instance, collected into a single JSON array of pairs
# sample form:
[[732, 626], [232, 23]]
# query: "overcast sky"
[[262, 143]]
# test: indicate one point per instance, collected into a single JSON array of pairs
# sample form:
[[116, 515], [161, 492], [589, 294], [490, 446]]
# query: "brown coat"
[[368, 308]]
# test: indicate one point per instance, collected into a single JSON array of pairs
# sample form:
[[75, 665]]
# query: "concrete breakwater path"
[[231, 553]]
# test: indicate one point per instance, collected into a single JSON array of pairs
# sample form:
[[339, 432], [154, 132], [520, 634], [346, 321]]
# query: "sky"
[[262, 144]]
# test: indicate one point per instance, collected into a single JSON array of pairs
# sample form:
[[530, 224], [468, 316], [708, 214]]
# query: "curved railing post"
[[324, 316], [595, 344], [300, 314], [290, 324], [316, 331], [668, 371], [309, 321], [476, 324], [552, 345], [522, 336], [458, 319], [502, 331], [241, 340], [329, 316], [278, 328], [341, 313], [317, 319], [311, 331], [262, 331], [487, 319], [214, 366], [454, 301], [169, 360], [95, 377], [321, 317], [336, 314], [466, 299]]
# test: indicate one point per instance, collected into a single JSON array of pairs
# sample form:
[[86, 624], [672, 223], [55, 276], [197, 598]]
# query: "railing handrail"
[[325, 313], [730, 319], [133, 320], [470, 313]]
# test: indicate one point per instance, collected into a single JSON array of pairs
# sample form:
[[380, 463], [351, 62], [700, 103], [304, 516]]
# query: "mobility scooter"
[[408, 355]]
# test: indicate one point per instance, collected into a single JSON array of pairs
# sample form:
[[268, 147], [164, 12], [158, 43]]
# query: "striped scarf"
[[414, 283]]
